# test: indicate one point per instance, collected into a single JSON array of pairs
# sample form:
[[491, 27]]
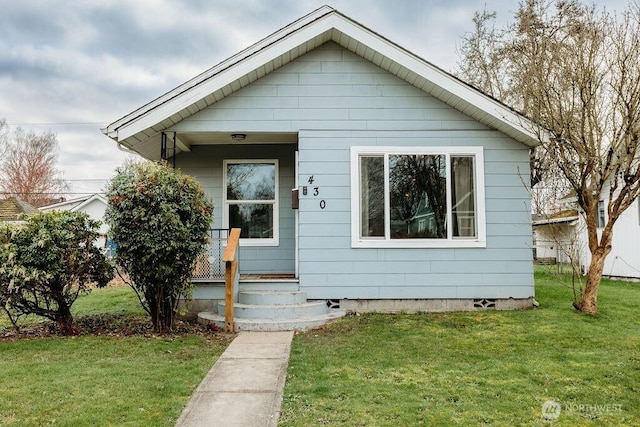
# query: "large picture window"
[[417, 197], [250, 198]]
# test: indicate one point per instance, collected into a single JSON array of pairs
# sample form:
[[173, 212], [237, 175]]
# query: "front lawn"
[[474, 368], [112, 379]]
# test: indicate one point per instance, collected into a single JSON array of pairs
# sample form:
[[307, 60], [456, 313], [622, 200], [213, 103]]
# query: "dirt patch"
[[114, 325]]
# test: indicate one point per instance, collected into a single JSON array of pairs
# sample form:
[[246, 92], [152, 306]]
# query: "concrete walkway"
[[244, 387]]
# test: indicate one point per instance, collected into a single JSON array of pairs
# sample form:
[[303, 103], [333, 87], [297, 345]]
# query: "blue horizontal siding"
[[335, 100]]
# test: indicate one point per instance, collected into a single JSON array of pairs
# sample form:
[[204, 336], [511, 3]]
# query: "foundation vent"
[[484, 303]]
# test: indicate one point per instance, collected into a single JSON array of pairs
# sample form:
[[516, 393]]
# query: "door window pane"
[[251, 181], [255, 220]]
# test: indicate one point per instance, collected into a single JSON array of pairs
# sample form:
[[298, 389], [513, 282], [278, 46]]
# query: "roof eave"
[[327, 22], [112, 129]]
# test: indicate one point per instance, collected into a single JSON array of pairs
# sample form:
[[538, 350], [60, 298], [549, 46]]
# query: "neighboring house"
[[624, 259], [14, 210], [93, 205], [359, 127], [555, 237]]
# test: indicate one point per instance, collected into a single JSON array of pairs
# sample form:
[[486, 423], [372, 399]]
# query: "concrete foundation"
[[388, 305], [191, 309], [432, 305]]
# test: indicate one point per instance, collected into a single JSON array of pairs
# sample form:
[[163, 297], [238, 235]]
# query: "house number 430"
[[316, 192]]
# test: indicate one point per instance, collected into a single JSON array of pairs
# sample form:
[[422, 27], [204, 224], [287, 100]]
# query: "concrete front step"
[[216, 291], [297, 324], [272, 306], [272, 297], [277, 311], [268, 285]]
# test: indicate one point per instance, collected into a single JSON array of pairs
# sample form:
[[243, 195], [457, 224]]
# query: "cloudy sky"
[[74, 66]]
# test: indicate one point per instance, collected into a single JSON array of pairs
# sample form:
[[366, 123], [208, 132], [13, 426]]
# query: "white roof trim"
[[78, 201], [327, 24], [112, 129], [554, 220], [98, 197]]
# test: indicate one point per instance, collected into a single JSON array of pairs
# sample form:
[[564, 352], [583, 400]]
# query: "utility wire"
[[59, 124]]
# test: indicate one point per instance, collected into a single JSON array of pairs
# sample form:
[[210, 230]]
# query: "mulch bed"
[[113, 325]]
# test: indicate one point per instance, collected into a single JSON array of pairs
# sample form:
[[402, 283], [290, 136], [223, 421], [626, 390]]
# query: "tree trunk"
[[161, 312], [589, 302], [64, 320], [167, 313]]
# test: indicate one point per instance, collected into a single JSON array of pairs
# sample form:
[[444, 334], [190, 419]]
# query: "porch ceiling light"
[[238, 136]]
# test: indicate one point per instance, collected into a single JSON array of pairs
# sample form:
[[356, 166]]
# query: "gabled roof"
[[96, 197], [325, 24], [75, 204], [12, 209]]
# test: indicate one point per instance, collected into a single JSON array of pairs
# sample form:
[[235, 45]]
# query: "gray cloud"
[[93, 61]]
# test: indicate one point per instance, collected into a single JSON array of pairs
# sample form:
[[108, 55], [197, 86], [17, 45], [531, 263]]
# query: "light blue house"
[[409, 182]]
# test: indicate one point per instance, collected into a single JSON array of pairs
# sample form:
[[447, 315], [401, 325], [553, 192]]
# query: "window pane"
[[255, 220], [463, 197], [418, 196], [600, 214], [372, 197], [251, 181]]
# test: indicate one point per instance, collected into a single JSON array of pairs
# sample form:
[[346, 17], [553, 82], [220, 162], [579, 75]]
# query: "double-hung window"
[[417, 197], [251, 200]]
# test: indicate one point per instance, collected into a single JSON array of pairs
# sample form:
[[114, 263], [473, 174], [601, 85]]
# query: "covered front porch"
[[249, 181]]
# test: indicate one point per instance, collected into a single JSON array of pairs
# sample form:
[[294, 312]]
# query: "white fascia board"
[[307, 28], [98, 197], [59, 205], [112, 130], [554, 220], [439, 78], [222, 79]]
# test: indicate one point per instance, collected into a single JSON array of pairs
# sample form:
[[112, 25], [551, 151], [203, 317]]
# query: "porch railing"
[[209, 265], [230, 259]]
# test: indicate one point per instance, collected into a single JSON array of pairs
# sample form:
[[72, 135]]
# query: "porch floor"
[[268, 276]]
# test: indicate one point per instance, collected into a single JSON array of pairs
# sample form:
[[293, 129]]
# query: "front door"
[[257, 199]]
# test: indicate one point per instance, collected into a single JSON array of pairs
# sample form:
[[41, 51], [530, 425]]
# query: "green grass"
[[111, 300], [98, 381], [473, 368], [373, 370]]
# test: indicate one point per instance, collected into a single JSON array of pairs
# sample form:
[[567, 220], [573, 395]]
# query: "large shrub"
[[47, 262], [160, 220]]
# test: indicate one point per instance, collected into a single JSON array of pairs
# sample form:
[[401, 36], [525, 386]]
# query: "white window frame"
[[601, 214], [479, 241], [273, 241]]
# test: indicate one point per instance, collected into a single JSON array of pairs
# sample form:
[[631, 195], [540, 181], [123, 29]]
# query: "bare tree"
[[573, 69], [29, 166], [4, 137]]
